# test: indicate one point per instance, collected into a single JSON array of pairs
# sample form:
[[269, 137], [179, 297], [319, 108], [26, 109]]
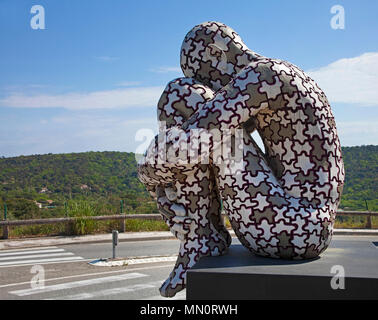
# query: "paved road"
[[125, 249], [69, 276]]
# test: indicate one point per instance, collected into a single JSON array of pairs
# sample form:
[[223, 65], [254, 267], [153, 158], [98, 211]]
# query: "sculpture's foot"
[[216, 221], [169, 288], [190, 253]]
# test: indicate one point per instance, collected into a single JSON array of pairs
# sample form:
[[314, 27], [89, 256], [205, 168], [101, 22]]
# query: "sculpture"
[[281, 204]]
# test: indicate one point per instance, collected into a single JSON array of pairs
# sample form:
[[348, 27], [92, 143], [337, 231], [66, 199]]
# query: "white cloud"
[[129, 84], [75, 132], [120, 98], [350, 80], [353, 133], [106, 58], [23, 87], [166, 69], [363, 127]]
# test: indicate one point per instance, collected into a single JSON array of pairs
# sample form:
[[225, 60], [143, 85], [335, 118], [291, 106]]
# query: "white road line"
[[29, 252], [49, 255], [27, 249], [38, 261], [111, 292], [76, 284], [48, 262], [89, 274], [31, 256]]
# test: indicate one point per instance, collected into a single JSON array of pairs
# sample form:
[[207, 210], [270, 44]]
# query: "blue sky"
[[92, 78]]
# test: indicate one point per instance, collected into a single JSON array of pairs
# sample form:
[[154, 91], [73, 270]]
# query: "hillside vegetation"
[[55, 181], [361, 182]]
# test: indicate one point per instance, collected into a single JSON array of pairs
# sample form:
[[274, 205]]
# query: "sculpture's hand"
[[173, 213]]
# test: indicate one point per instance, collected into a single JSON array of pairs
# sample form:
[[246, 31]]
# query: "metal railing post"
[[368, 222], [69, 224], [122, 227], [368, 218], [6, 227]]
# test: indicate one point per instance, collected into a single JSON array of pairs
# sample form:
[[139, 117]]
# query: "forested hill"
[[113, 175], [361, 182], [98, 173], [50, 180]]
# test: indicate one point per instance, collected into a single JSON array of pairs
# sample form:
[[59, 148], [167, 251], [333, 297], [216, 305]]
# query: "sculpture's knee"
[[180, 99]]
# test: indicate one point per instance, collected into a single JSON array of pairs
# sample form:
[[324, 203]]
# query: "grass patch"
[[37, 230], [79, 210], [145, 225], [354, 222]]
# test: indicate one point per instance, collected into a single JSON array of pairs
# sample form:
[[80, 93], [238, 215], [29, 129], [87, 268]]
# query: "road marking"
[[27, 249], [19, 252], [14, 258], [48, 262], [111, 292], [37, 256], [88, 274], [53, 261], [38, 261], [77, 284]]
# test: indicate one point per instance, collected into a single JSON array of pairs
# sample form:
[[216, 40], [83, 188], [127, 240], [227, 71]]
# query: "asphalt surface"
[[125, 249], [68, 274]]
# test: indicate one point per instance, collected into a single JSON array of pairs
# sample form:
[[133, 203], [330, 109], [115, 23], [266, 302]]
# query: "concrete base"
[[241, 275]]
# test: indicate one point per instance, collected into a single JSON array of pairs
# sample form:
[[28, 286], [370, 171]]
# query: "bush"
[[80, 209]]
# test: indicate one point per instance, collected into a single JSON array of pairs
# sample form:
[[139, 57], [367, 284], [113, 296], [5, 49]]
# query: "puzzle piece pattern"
[[195, 194], [281, 204]]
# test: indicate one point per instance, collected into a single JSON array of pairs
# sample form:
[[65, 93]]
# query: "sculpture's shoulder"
[[270, 67], [283, 77]]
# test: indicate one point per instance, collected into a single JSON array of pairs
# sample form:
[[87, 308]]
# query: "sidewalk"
[[130, 236]]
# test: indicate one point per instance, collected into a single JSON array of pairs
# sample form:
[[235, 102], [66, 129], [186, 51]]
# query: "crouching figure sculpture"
[[281, 203]]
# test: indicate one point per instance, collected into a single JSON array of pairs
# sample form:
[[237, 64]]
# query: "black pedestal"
[[242, 275]]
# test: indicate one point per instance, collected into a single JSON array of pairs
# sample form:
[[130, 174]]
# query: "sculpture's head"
[[213, 54]]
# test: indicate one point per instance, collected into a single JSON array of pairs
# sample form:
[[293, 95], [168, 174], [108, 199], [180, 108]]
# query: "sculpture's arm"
[[249, 92]]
